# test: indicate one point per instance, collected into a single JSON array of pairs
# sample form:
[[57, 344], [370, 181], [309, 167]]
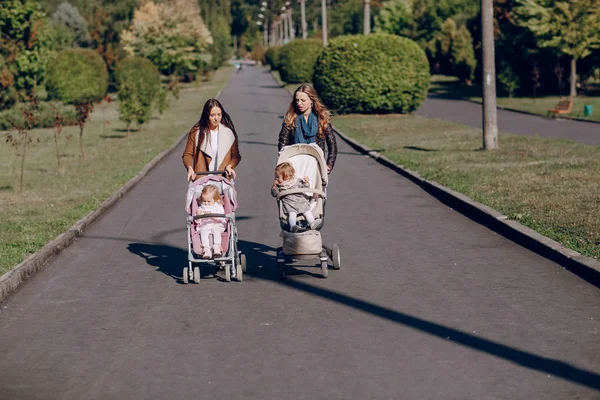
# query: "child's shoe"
[[217, 250], [207, 253], [294, 229], [315, 224]]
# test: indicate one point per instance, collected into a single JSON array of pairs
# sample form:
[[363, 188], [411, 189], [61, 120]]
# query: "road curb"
[[586, 267], [583, 266], [14, 278]]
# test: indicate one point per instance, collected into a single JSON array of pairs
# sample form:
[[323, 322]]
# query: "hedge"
[[14, 116], [272, 57], [297, 60], [372, 74], [77, 75]]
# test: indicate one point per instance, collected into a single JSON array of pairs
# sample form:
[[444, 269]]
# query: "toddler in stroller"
[[295, 203], [210, 203], [301, 231]]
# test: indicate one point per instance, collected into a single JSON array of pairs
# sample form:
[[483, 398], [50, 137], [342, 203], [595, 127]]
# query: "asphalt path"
[[468, 113], [428, 304]]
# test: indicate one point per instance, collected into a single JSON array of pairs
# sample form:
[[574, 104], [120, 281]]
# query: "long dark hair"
[[203, 124]]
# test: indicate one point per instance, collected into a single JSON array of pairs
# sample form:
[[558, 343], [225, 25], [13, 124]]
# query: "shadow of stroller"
[[167, 259], [262, 262]]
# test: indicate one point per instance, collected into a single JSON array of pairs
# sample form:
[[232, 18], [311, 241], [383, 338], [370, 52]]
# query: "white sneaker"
[[207, 253], [315, 224]]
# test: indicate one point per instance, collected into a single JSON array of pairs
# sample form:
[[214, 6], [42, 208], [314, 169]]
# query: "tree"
[[570, 27], [68, 15], [462, 55], [171, 34], [25, 47], [394, 18], [451, 51], [508, 79]]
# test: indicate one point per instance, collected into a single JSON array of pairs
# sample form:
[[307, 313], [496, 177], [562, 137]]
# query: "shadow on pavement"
[[166, 259], [262, 265]]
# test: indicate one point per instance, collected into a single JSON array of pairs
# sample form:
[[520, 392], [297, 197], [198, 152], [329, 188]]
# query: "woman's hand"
[[230, 171], [328, 169], [191, 175]]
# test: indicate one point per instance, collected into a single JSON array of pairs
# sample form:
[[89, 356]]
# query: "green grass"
[[549, 185], [49, 204], [449, 86]]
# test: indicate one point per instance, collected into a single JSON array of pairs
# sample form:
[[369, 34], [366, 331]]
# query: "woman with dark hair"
[[309, 121], [212, 143]]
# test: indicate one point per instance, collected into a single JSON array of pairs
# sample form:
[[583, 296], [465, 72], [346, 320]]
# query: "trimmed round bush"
[[297, 60], [372, 74], [77, 75], [139, 71], [272, 57], [139, 83]]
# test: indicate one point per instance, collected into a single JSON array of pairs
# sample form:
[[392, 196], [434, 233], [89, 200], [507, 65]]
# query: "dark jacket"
[[286, 137]]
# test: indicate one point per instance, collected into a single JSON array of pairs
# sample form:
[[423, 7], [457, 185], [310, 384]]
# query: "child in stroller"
[[301, 236], [225, 254], [211, 227], [297, 203]]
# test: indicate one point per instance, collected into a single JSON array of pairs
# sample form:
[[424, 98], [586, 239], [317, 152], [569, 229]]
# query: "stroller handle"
[[223, 173]]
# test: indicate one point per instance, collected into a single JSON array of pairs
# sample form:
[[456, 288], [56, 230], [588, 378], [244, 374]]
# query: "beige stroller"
[[305, 245]]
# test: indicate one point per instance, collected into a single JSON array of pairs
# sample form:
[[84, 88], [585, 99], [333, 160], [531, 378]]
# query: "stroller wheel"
[[243, 262], [239, 272], [336, 257], [324, 269], [185, 275], [227, 273], [281, 270], [197, 274]]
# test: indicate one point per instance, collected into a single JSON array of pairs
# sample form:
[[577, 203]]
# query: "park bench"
[[563, 107]]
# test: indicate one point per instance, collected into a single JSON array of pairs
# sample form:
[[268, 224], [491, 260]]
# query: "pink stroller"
[[232, 260]]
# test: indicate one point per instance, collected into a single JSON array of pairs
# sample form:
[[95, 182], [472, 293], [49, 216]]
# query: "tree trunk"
[[573, 77], [57, 154], [324, 21], [81, 143], [23, 162], [490, 122], [367, 17], [303, 17]]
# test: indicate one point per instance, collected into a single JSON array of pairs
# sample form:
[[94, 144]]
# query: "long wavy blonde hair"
[[323, 114]]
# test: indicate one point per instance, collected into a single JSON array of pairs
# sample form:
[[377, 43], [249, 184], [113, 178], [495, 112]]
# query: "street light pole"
[[291, 23], [490, 122], [286, 31], [324, 21], [367, 17], [303, 18]]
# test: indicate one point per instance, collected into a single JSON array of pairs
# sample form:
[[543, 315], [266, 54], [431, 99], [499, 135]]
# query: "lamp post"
[[490, 121], [290, 21], [367, 17], [303, 18], [324, 21]]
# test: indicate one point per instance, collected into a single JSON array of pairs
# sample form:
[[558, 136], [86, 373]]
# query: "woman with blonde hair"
[[308, 121]]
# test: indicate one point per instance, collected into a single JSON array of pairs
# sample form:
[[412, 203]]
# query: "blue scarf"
[[306, 131]]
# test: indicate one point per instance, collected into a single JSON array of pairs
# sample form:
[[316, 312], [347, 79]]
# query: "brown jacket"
[[228, 153]]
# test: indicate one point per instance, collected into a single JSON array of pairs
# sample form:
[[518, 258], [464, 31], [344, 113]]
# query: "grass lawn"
[[549, 185], [49, 203], [449, 86]]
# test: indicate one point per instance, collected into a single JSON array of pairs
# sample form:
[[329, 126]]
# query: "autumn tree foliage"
[[171, 34]]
